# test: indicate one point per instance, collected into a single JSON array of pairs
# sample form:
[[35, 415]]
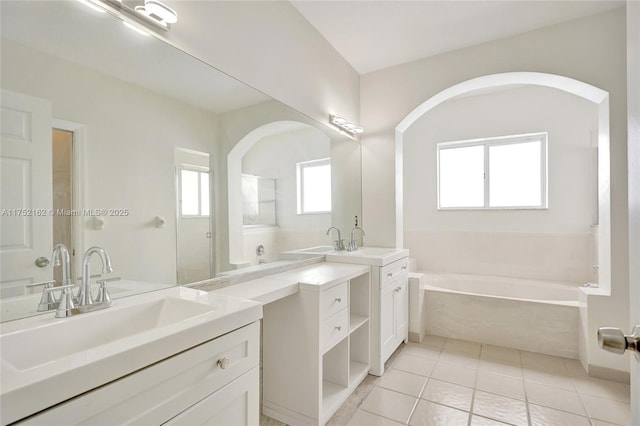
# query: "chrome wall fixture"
[[140, 15], [346, 125]]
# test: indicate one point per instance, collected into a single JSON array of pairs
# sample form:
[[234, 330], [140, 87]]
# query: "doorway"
[[63, 205]]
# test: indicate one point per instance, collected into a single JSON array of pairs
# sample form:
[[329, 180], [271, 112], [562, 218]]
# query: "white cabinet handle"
[[389, 274], [338, 299], [404, 268], [223, 363], [338, 327], [398, 289]]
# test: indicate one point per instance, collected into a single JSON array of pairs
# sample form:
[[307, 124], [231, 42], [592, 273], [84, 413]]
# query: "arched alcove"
[[505, 80]]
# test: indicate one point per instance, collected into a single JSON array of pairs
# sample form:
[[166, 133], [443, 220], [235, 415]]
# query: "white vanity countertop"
[[278, 286], [323, 275], [264, 290], [374, 256], [47, 360]]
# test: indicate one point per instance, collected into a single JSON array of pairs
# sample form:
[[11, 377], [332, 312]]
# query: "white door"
[[26, 224]]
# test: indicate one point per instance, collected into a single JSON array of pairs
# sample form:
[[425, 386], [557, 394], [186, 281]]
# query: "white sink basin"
[[58, 339], [316, 250], [46, 360], [376, 256]]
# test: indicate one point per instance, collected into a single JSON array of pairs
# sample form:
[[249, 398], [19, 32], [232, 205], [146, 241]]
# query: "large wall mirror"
[[119, 140]]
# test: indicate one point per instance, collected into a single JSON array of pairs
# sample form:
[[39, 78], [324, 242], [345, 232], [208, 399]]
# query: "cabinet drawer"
[[159, 392], [333, 300], [334, 329], [235, 404], [393, 271]]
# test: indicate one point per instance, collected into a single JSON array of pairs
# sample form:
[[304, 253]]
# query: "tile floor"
[[453, 382]]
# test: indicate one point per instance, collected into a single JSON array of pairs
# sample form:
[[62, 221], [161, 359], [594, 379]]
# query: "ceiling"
[[376, 34]]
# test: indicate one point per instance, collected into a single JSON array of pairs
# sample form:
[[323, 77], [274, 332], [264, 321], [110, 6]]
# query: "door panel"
[[26, 224]]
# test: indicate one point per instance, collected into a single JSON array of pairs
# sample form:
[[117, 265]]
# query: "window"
[[194, 193], [497, 173], [314, 186]]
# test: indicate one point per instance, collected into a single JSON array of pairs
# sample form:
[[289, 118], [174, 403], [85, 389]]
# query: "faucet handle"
[[103, 293], [48, 300], [65, 303]]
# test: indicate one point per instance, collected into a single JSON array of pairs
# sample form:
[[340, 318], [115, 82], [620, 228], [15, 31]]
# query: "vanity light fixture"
[[345, 125], [161, 10]]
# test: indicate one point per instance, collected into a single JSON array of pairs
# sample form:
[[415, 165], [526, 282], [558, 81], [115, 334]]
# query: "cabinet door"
[[236, 404], [387, 321], [401, 308]]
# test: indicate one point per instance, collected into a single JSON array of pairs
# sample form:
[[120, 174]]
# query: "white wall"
[[591, 49], [270, 46], [276, 156], [555, 243], [129, 157]]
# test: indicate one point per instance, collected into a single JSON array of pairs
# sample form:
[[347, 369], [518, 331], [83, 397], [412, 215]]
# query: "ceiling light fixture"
[[160, 10], [345, 125]]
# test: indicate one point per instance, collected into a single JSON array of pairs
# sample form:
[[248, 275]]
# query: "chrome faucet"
[[48, 301], [353, 246], [338, 245], [84, 294]]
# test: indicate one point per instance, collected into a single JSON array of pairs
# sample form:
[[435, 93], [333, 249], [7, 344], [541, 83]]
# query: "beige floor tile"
[[575, 368], [431, 414], [608, 410], [363, 418], [501, 385], [501, 367], [413, 364], [402, 381], [463, 359], [422, 351], [549, 378], [603, 388], [548, 363], [499, 353], [434, 341], [560, 399], [450, 394], [456, 345], [454, 374], [390, 404], [500, 408], [483, 421], [545, 416]]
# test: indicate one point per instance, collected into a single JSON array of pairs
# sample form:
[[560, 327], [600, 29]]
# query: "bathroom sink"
[[59, 339], [46, 360], [375, 256]]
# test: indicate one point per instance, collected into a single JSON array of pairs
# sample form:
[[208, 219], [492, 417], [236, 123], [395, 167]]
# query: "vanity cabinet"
[[216, 382], [394, 308], [316, 347]]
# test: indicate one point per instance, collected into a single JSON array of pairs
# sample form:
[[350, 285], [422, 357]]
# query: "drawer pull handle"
[[338, 327], [398, 289], [389, 275], [404, 268], [223, 363], [338, 299]]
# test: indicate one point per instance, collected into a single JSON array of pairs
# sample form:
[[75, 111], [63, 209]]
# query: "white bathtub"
[[532, 315]]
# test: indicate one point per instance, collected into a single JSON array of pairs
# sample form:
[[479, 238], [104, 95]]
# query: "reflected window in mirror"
[[194, 192], [258, 201], [314, 186]]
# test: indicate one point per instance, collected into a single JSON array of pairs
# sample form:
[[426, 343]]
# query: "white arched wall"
[[575, 87], [591, 93], [234, 181]]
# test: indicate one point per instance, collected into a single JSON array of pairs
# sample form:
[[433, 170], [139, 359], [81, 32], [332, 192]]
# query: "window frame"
[[486, 143], [200, 171], [300, 166]]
